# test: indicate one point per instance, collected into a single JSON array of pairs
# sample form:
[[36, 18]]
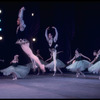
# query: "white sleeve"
[[46, 35], [21, 11], [20, 16], [56, 35]]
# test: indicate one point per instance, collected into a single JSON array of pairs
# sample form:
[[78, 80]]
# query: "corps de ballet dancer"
[[22, 36], [59, 64], [52, 44], [16, 70], [78, 65], [95, 64]]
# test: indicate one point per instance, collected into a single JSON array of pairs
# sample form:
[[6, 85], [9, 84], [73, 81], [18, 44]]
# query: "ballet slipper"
[[54, 73], [43, 68], [15, 78], [77, 75], [84, 76]]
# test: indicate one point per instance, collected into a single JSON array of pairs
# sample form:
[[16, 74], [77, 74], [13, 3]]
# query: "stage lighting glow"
[[1, 37], [0, 20], [34, 39], [0, 11], [32, 14], [0, 29]]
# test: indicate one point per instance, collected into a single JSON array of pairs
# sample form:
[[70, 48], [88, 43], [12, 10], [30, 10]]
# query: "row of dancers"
[[76, 64], [23, 41], [20, 71]]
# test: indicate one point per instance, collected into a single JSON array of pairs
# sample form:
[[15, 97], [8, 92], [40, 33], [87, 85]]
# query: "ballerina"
[[95, 64], [78, 65], [22, 36], [59, 64], [52, 44], [16, 70]]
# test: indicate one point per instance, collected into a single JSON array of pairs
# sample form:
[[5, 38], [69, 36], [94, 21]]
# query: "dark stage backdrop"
[[77, 24]]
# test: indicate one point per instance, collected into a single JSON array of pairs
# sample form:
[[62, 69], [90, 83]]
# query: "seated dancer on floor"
[[59, 63], [17, 71], [52, 44], [79, 65], [95, 64], [22, 36]]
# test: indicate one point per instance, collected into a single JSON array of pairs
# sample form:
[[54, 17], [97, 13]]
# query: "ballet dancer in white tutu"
[[95, 64], [16, 70], [52, 44], [78, 65], [59, 63]]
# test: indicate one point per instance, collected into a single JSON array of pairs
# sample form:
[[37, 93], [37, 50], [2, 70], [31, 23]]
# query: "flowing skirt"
[[78, 65], [95, 68], [60, 64], [20, 71]]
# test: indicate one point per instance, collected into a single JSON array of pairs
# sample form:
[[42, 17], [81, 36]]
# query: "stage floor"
[[48, 87]]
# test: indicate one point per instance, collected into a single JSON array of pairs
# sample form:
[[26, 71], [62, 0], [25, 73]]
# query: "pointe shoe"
[[77, 75], [84, 76], [15, 78], [43, 68], [54, 73]]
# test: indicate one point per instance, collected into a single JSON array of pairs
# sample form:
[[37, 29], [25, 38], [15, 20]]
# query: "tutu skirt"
[[95, 68], [20, 71], [60, 64], [78, 65]]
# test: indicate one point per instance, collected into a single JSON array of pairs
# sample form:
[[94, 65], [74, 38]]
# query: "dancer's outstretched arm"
[[49, 59], [40, 56], [59, 52], [94, 59], [71, 60], [85, 57]]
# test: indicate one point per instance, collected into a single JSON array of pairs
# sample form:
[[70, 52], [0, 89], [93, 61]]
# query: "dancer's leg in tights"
[[54, 59], [59, 70], [25, 47]]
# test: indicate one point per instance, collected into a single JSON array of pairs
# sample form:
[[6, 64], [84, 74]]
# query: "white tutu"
[[60, 64], [95, 68], [20, 71], [80, 65]]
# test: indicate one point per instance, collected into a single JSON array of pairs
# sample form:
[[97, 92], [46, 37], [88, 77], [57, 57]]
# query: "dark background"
[[78, 25]]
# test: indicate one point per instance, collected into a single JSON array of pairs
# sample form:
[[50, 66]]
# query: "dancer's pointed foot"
[[77, 75], [84, 76], [43, 68], [54, 73], [15, 78]]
